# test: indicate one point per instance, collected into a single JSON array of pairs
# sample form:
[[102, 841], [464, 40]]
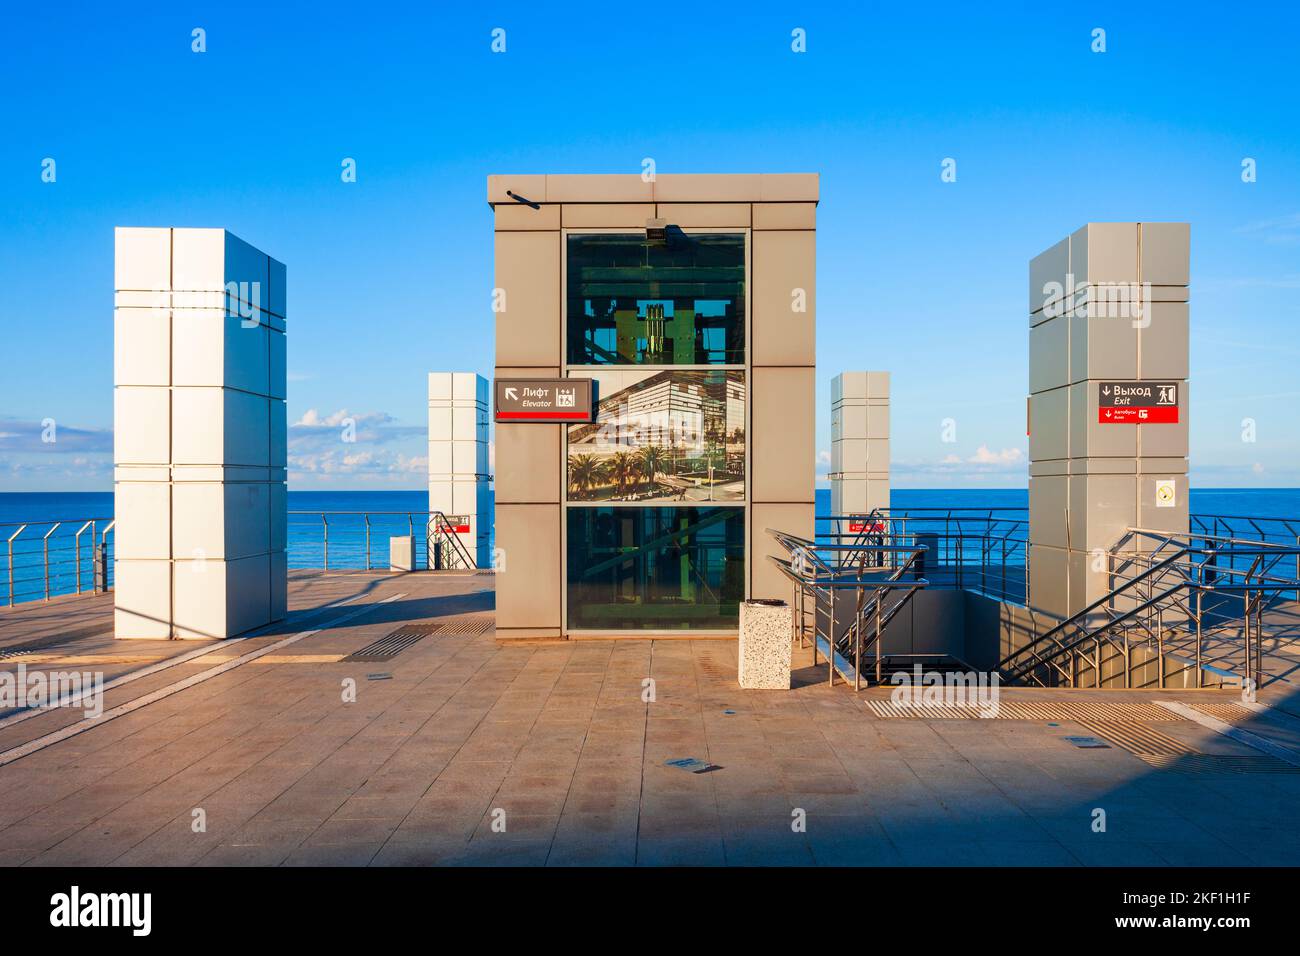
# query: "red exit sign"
[[1154, 415], [866, 527], [1137, 403]]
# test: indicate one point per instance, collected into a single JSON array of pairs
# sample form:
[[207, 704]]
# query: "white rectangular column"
[[859, 443], [200, 446], [458, 458]]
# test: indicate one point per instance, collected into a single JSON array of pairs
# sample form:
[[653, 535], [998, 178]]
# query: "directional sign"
[[457, 523], [544, 400], [1136, 403], [866, 527]]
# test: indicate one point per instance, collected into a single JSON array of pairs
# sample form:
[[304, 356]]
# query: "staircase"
[[1183, 610], [445, 547], [845, 595]]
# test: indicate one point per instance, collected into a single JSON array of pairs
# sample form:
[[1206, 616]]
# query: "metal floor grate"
[[1232, 713], [1219, 763], [887, 710], [1165, 753], [1044, 710], [467, 625], [1138, 739], [389, 646]]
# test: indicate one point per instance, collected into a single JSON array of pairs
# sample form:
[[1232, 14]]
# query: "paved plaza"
[[461, 750]]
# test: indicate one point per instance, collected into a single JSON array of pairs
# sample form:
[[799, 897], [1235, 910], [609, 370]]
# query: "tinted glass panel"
[[676, 435], [655, 567], [681, 302]]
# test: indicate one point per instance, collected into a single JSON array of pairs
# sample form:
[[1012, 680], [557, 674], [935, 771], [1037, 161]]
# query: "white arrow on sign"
[[512, 394]]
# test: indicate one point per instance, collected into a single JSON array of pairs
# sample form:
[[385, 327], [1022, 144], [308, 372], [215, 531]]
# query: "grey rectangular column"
[[1107, 304]]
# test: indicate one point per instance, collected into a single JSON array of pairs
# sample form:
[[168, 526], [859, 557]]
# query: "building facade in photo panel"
[[1108, 404], [690, 302], [200, 435], [458, 462]]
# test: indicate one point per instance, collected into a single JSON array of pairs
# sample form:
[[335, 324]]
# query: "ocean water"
[[398, 512], [1254, 502], [391, 513]]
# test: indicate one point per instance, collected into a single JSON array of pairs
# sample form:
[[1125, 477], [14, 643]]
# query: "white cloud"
[[1278, 229], [1007, 456], [380, 448]]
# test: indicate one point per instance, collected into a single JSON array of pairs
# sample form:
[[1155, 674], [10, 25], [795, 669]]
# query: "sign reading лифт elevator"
[[543, 400], [1137, 402]]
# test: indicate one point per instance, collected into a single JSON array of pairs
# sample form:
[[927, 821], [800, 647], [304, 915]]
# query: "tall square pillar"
[[458, 458], [1108, 314], [859, 473], [200, 435]]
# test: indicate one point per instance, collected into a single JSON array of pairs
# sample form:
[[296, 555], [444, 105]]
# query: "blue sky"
[[390, 277]]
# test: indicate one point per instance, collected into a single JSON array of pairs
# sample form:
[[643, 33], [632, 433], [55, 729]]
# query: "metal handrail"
[[1192, 578], [823, 580], [48, 559], [985, 551], [52, 566], [1079, 616], [332, 541], [443, 530]]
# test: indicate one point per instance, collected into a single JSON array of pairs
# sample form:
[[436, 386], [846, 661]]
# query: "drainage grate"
[[1044, 710], [1232, 713], [1137, 739], [388, 647], [1084, 710], [887, 710], [1219, 763], [1165, 753], [714, 671], [465, 625]]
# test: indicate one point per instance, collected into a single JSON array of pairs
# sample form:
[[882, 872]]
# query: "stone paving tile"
[[415, 854], [344, 854], [702, 850], [604, 853], [336, 831]]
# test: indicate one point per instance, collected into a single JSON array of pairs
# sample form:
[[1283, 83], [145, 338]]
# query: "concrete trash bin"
[[765, 645], [401, 553]]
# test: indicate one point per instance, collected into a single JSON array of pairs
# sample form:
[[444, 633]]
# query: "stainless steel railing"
[[347, 540], [48, 559], [1179, 595], [877, 582], [977, 549]]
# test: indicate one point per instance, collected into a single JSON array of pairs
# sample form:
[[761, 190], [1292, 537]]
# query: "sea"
[[401, 512]]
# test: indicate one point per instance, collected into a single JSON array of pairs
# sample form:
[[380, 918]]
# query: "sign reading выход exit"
[[1136, 403]]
